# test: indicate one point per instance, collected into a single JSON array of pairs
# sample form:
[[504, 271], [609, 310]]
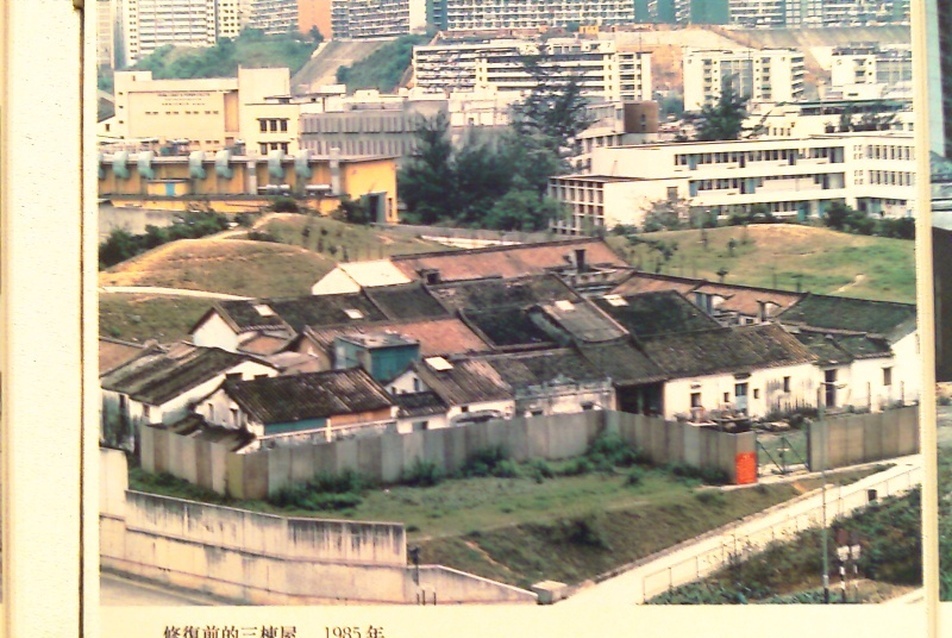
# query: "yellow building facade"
[[227, 183]]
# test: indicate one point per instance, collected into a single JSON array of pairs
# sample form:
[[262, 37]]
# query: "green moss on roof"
[[726, 350], [655, 313], [507, 327], [495, 292], [847, 313]]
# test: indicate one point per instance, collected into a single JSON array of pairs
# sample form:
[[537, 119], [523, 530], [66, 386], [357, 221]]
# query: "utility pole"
[[821, 412]]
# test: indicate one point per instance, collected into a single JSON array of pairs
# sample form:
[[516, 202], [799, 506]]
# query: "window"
[[464, 408], [264, 125], [284, 126], [786, 385], [145, 413], [211, 412], [420, 426], [727, 397], [887, 376], [234, 417], [695, 399], [756, 393]]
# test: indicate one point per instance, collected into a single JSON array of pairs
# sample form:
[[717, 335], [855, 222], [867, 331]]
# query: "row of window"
[[273, 125], [181, 113], [768, 155], [889, 152], [264, 147], [892, 178]]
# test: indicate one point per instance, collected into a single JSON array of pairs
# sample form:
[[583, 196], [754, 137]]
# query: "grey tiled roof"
[[159, 375], [308, 396], [726, 350]]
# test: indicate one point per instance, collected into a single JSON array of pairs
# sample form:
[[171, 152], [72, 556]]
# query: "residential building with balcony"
[[792, 178], [872, 71], [473, 15], [761, 75], [377, 18], [758, 13], [604, 72]]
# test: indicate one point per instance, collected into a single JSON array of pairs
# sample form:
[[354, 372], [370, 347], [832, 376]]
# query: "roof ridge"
[[499, 248]]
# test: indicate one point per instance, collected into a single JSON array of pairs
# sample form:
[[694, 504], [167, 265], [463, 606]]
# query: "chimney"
[[580, 266]]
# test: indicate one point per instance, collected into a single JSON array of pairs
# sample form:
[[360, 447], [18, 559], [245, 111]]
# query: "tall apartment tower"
[[469, 15], [762, 75], [604, 72], [758, 13], [145, 25], [377, 18], [274, 16]]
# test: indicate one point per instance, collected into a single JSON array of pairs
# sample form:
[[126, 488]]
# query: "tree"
[[522, 209], [723, 119], [667, 214], [555, 109], [315, 35], [483, 175], [427, 184]]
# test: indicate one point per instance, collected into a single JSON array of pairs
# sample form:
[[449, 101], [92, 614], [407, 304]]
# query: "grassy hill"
[[140, 317], [344, 242], [303, 250], [780, 255], [234, 266]]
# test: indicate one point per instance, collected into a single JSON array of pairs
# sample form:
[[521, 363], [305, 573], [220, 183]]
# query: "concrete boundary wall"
[[861, 438], [386, 457], [265, 559]]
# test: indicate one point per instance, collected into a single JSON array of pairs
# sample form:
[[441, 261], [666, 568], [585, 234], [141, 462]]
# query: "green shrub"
[[585, 529], [284, 205], [635, 476], [710, 497], [422, 474], [506, 468], [484, 461], [610, 450]]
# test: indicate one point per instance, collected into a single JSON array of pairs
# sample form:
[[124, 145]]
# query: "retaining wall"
[[265, 559]]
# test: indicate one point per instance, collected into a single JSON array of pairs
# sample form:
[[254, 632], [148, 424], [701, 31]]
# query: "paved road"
[[181, 292], [120, 591], [682, 564]]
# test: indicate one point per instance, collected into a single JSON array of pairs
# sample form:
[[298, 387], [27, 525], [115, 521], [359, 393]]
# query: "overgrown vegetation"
[[251, 49], [783, 256], [384, 68], [889, 534], [325, 492], [499, 183], [839, 216], [122, 245]]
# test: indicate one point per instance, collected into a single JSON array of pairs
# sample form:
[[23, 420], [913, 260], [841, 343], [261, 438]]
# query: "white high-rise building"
[[377, 18], [762, 75], [475, 15], [604, 72], [758, 13], [872, 71], [146, 25], [273, 16]]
